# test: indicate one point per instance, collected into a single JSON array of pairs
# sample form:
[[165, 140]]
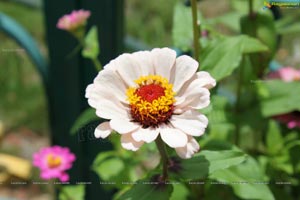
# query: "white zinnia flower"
[[151, 93]]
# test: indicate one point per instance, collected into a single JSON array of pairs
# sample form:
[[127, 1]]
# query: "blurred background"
[[24, 120]]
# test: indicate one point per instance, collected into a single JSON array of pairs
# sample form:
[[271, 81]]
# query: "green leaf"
[[287, 25], [85, 117], [282, 162], [293, 28], [213, 144], [220, 116], [91, 46], [145, 190], [278, 97], [182, 32], [263, 28], [223, 57], [274, 139], [245, 180], [251, 45], [242, 6], [221, 60], [107, 165], [75, 192], [180, 192], [219, 112], [231, 20], [292, 144], [110, 168], [207, 162]]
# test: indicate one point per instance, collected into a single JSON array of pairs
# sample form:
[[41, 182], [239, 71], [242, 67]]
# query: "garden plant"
[[213, 116]]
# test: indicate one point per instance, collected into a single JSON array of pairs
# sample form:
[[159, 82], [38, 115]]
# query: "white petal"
[[128, 69], [103, 130], [191, 87], [194, 97], [145, 134], [108, 108], [163, 61], [199, 80], [172, 136], [123, 126], [129, 143], [106, 104], [109, 82], [106, 101], [197, 101], [102, 93], [89, 90], [191, 122], [189, 150], [206, 79], [111, 65], [183, 70], [144, 60]]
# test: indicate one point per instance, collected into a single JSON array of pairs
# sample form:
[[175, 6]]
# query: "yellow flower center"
[[151, 102], [53, 161]]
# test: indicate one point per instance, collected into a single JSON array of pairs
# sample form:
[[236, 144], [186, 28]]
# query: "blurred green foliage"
[[150, 21], [270, 147], [22, 100]]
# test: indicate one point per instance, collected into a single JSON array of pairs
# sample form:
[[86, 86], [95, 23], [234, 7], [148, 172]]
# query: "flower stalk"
[[97, 64], [251, 13], [196, 30], [74, 51], [164, 157], [238, 101]]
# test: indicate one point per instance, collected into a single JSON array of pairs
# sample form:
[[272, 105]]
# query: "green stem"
[[238, 102], [251, 13], [196, 30], [164, 157], [97, 64], [74, 51]]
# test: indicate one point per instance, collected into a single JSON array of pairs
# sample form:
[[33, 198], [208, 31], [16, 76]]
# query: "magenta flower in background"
[[74, 20], [292, 120], [287, 74], [53, 162]]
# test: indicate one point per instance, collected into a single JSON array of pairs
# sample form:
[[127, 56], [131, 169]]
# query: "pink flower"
[[292, 120], [73, 20], [53, 162], [287, 74]]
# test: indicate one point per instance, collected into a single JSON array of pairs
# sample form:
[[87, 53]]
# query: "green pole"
[[68, 78]]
